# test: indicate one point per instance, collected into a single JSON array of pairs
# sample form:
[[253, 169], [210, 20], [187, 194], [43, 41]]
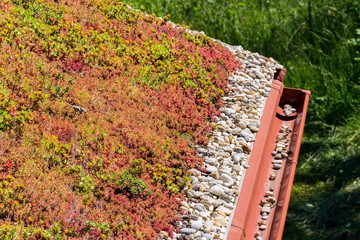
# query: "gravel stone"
[[276, 166], [265, 209], [212, 198], [227, 111], [196, 225], [217, 190], [207, 236], [187, 231], [227, 180], [246, 166], [210, 169]]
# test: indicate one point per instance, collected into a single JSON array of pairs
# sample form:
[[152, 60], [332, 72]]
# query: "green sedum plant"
[[95, 101]]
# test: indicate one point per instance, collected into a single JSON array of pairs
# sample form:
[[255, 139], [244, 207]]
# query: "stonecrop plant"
[[100, 109]]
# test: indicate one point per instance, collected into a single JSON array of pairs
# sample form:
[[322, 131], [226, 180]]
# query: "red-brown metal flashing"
[[247, 213], [300, 100], [280, 74]]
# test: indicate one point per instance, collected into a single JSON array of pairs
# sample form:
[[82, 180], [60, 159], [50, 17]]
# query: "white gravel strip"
[[211, 197]]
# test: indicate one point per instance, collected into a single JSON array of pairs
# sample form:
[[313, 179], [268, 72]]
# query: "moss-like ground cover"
[[319, 43], [100, 108]]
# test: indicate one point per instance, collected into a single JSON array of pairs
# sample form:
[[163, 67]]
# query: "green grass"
[[325, 200], [318, 42]]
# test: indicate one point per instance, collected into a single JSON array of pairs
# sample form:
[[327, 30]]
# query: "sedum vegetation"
[[100, 109], [319, 43]]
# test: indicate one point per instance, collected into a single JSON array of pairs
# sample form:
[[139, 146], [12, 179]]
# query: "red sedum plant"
[[100, 109]]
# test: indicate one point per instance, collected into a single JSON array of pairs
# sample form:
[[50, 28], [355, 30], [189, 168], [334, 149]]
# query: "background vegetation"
[[318, 42]]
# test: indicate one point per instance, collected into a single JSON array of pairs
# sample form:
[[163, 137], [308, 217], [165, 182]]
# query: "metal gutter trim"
[[279, 219], [246, 216]]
